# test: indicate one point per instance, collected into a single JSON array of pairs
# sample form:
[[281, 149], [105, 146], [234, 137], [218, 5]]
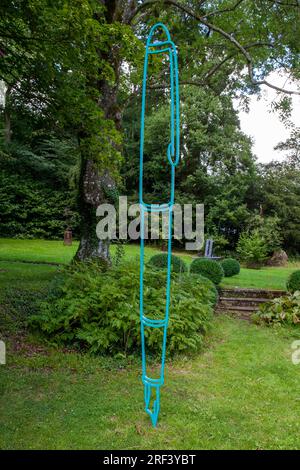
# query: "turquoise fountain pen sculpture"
[[166, 46]]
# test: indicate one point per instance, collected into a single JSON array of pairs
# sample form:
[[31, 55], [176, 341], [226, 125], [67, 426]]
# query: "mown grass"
[[22, 285], [28, 276], [264, 278], [44, 251], [53, 251], [241, 393], [38, 251]]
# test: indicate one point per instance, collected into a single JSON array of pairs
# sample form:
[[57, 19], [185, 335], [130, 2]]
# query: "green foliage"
[[161, 261], [61, 62], [32, 209], [68, 57], [293, 283], [119, 253], [98, 310], [218, 169], [272, 233], [36, 198], [252, 249], [207, 284], [208, 268], [230, 266], [279, 193], [282, 310], [269, 229], [46, 158]]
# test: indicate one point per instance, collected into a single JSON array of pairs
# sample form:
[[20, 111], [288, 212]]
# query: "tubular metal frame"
[[173, 155]]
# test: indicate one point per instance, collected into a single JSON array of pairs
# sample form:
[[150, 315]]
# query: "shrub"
[[208, 268], [252, 249], [269, 229], [207, 284], [285, 310], [231, 267], [293, 282], [98, 310], [33, 209], [161, 261]]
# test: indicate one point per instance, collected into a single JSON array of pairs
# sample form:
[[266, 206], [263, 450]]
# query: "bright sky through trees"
[[264, 126]]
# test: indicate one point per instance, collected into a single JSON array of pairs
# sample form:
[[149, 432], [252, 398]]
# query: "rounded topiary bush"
[[208, 268], [293, 282], [161, 261], [231, 267]]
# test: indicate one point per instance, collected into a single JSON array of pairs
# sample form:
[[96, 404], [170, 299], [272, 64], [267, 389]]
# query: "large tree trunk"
[[92, 190], [95, 182]]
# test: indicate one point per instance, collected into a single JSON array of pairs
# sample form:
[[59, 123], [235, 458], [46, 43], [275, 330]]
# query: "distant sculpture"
[[68, 237], [208, 252]]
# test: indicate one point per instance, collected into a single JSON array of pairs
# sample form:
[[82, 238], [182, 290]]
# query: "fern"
[[98, 310]]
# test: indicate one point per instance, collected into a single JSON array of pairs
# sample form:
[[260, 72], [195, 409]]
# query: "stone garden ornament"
[[167, 47]]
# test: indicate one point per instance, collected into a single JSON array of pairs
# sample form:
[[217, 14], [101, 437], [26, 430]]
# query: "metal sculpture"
[[173, 155]]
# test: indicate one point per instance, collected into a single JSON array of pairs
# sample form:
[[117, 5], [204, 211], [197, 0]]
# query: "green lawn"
[[43, 251], [28, 276], [52, 251], [39, 251], [241, 392], [264, 278]]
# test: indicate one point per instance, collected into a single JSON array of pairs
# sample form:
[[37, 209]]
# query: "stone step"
[[244, 302], [256, 293], [244, 299], [232, 303], [237, 308], [241, 313]]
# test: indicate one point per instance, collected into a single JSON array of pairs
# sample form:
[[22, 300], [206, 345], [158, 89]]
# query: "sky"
[[264, 126]]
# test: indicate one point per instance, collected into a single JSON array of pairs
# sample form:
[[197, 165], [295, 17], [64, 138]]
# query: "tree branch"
[[217, 66], [225, 10], [217, 29], [278, 2]]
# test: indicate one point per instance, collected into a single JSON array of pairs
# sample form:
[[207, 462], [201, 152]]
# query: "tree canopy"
[[72, 75]]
